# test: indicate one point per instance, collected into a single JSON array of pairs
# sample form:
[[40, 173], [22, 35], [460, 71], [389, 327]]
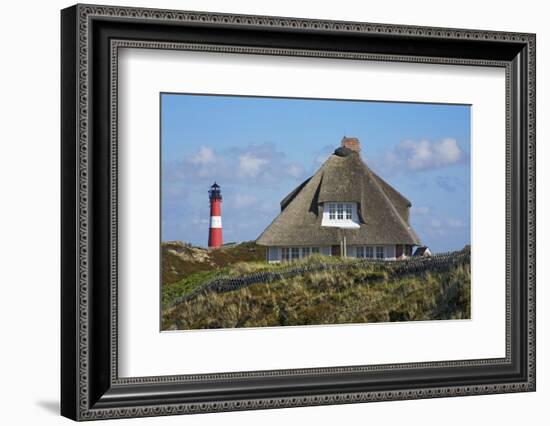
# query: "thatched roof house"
[[343, 209]]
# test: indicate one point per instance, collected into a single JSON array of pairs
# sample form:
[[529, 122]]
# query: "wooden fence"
[[394, 268]]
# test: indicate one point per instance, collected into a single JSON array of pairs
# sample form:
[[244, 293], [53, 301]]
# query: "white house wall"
[[274, 254], [325, 250], [390, 252]]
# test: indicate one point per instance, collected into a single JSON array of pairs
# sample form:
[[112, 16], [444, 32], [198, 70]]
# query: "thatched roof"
[[383, 211]]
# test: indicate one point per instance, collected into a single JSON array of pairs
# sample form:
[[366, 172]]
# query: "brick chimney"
[[351, 143]]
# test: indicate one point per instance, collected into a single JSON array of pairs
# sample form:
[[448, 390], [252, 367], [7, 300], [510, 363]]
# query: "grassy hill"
[[180, 260], [351, 292]]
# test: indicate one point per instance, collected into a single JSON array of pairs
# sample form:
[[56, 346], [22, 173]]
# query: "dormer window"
[[332, 211], [349, 210], [341, 215], [340, 211]]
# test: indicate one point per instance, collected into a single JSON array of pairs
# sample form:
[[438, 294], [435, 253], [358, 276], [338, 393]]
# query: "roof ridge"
[[292, 194]]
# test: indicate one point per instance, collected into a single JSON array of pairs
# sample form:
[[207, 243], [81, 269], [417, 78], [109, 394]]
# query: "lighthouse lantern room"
[[215, 239]]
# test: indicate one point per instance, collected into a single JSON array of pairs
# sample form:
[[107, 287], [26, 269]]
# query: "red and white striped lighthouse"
[[215, 239]]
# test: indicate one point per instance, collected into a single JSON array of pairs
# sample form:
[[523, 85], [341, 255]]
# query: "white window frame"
[[348, 213], [381, 249], [365, 252], [290, 254], [285, 254], [340, 214], [332, 211], [369, 252], [339, 211]]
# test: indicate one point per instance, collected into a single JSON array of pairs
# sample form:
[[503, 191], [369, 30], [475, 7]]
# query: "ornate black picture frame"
[[91, 37]]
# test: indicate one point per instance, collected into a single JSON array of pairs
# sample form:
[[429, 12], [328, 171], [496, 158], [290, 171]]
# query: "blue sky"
[[259, 149]]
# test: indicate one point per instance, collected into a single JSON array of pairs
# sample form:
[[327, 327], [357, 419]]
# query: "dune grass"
[[180, 261], [171, 292], [357, 294]]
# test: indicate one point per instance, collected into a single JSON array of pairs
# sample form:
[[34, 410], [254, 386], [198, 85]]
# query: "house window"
[[285, 253], [332, 211], [348, 211], [380, 252], [295, 253], [342, 215], [369, 252], [340, 211], [365, 252]]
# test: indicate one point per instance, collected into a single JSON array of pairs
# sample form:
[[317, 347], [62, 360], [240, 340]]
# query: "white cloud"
[[455, 223], [447, 223], [250, 165], [295, 170], [425, 154], [253, 177], [410, 155], [240, 171], [435, 223], [205, 156], [420, 210], [445, 227], [447, 151]]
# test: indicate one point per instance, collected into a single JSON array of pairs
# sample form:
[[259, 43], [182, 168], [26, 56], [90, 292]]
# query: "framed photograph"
[[263, 212]]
